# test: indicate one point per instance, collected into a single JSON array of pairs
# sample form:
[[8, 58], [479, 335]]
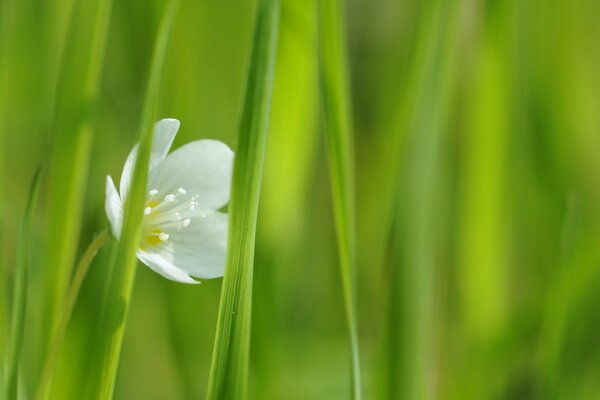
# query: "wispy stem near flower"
[[229, 369], [77, 281], [114, 315], [338, 134], [20, 292]]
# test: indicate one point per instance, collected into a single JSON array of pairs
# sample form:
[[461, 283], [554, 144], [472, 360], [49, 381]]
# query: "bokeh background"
[[477, 131]]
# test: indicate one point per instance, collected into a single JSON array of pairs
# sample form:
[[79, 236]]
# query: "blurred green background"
[[476, 128]]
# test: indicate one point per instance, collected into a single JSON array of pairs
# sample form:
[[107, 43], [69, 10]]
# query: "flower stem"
[[80, 273]]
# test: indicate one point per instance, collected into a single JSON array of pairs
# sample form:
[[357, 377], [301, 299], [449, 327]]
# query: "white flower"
[[183, 234]]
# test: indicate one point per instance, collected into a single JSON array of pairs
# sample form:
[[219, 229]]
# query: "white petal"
[[162, 263], [164, 134], [203, 168], [199, 249], [114, 207]]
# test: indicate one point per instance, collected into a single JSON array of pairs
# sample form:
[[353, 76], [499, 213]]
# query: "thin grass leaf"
[[73, 130], [5, 34], [77, 281], [335, 97], [410, 365], [19, 305], [112, 324], [229, 368]]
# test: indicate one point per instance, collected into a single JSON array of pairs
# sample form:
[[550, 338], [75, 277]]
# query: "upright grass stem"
[[73, 129], [124, 262], [229, 368], [408, 347], [338, 134], [19, 305], [80, 273]]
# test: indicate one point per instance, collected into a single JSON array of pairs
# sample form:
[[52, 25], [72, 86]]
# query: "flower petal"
[[199, 249], [114, 207], [162, 263], [163, 136], [203, 168]]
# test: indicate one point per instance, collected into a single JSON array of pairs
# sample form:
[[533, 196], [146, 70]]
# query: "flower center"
[[174, 212]]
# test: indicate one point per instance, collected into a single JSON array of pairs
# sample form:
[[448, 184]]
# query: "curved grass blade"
[[19, 305], [335, 97], [114, 315], [77, 281], [229, 368]]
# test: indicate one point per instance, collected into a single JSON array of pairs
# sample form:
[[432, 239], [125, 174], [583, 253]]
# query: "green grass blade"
[[112, 324], [338, 133], [79, 274], [409, 344], [20, 292], [73, 130], [229, 369], [5, 33]]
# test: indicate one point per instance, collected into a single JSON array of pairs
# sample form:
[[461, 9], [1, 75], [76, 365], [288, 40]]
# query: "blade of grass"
[[120, 287], [73, 129], [410, 366], [5, 34], [80, 273], [19, 304], [335, 97], [229, 369], [284, 194]]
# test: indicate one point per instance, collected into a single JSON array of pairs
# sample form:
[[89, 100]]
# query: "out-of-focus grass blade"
[[289, 165], [77, 92], [112, 325], [338, 133], [229, 369], [408, 345], [5, 25], [79, 275], [20, 292]]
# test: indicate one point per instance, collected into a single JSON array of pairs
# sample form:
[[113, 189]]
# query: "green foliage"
[[445, 214], [73, 127], [335, 100], [124, 262], [231, 357], [20, 288]]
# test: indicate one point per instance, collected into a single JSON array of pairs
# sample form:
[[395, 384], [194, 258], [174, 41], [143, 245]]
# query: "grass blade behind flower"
[[20, 292], [338, 133], [120, 286], [229, 369]]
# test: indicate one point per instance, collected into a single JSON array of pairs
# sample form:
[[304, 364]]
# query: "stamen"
[[170, 197], [147, 210], [153, 192], [181, 190], [186, 222], [163, 236]]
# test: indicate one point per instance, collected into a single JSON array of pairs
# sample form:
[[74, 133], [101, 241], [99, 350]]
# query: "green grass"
[[124, 261], [229, 369], [429, 191], [338, 133], [73, 128], [20, 288]]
